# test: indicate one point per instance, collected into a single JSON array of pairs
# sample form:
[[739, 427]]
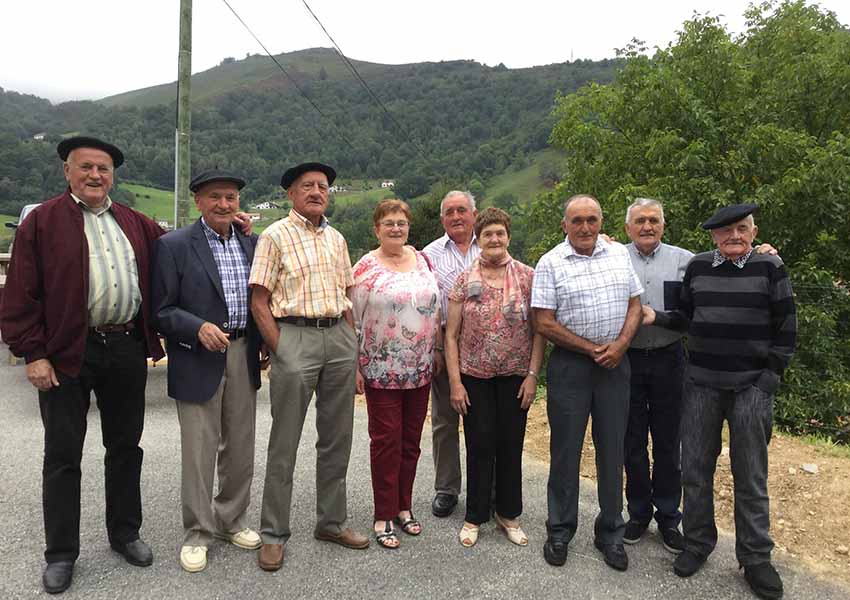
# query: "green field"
[[6, 233], [524, 184], [155, 203]]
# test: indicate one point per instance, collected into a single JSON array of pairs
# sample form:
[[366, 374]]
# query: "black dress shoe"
[[555, 552], [136, 553], [443, 504], [634, 531], [688, 563], [764, 581], [57, 576], [614, 554]]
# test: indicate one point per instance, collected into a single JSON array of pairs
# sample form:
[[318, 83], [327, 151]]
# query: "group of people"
[[92, 283]]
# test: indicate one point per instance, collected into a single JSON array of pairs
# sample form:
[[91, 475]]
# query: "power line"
[[365, 85], [290, 77]]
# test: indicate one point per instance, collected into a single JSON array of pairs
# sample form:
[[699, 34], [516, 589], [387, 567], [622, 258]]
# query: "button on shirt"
[[233, 269], [306, 268], [660, 273], [589, 294], [114, 295], [448, 262]]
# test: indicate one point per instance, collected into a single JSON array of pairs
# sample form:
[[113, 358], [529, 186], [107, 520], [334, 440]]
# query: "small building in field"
[[387, 183], [266, 205], [39, 137]]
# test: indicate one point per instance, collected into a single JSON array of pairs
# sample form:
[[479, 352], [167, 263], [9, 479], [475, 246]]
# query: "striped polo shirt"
[[741, 321], [114, 294]]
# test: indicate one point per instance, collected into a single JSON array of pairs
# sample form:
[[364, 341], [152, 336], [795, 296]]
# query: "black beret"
[[65, 146], [295, 172], [215, 175], [729, 214]]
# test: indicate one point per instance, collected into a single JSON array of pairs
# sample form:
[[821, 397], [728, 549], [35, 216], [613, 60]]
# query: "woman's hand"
[[359, 382], [459, 399], [527, 391]]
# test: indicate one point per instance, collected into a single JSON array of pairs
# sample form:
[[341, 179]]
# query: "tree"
[[712, 120]]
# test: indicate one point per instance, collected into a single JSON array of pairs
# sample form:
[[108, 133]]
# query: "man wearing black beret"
[[201, 305], [738, 309], [76, 307]]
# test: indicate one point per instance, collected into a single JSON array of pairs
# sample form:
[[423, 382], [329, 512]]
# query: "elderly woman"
[[396, 304], [493, 357]]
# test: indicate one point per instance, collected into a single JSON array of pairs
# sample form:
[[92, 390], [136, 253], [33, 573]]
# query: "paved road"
[[431, 566]]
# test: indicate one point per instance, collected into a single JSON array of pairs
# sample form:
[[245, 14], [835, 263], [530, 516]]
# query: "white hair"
[[641, 202], [470, 199]]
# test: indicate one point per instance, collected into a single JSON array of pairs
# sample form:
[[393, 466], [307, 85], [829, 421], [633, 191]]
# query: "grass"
[[525, 184], [155, 203]]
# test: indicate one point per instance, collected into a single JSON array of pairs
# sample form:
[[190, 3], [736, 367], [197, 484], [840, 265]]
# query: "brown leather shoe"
[[270, 557], [347, 537]]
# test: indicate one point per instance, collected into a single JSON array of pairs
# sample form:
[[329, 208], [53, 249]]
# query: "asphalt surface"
[[433, 565]]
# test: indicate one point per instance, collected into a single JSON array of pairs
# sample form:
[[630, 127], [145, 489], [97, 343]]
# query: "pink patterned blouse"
[[488, 344], [396, 315]]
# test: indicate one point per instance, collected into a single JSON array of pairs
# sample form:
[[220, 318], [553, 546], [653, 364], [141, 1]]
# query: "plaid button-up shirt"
[[589, 294], [306, 268], [233, 268]]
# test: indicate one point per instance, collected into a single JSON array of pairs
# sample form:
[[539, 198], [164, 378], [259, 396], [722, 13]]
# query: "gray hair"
[[641, 202], [578, 197], [470, 199]]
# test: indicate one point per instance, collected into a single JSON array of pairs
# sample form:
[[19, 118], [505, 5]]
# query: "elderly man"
[[200, 304], [299, 279], [449, 255], [76, 308], [738, 308], [586, 299], [656, 357]]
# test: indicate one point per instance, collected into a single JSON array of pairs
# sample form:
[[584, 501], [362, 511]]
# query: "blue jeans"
[[749, 413]]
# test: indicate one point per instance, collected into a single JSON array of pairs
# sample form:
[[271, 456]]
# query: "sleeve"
[[266, 266], [171, 320], [359, 293], [783, 324], [680, 318], [346, 262], [543, 292], [22, 317], [635, 287]]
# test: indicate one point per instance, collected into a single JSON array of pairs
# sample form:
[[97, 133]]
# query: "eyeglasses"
[[89, 168], [399, 224], [308, 185]]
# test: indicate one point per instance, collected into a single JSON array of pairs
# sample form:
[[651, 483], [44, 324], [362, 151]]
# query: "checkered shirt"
[[306, 268], [233, 268], [739, 262], [589, 294]]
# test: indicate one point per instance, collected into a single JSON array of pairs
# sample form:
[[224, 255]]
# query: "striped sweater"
[[741, 322]]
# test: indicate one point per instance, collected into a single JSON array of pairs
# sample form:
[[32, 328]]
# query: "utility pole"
[[182, 164]]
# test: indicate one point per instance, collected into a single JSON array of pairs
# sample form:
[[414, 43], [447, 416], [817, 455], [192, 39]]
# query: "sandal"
[[514, 534], [468, 535], [388, 536], [407, 525]]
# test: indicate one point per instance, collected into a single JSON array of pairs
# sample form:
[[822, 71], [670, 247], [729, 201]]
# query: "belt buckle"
[[319, 324]]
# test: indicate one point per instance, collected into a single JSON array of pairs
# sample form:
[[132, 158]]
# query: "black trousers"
[[655, 408], [114, 368], [494, 430]]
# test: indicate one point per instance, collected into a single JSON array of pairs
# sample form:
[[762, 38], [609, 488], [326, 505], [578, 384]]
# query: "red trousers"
[[395, 429]]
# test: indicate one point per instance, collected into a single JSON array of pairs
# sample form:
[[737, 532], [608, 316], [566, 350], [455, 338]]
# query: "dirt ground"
[[809, 512]]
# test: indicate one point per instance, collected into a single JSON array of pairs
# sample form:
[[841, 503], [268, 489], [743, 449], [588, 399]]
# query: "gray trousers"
[[578, 388], [749, 413], [221, 428], [309, 360], [445, 437]]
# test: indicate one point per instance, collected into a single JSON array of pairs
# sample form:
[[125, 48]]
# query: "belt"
[[321, 323], [659, 350], [111, 328], [235, 334]]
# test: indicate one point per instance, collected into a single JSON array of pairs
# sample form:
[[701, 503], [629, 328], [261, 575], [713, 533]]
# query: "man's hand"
[[265, 357], [766, 249], [359, 382], [41, 374], [609, 355], [527, 391], [243, 222], [607, 238], [459, 399], [648, 315], [213, 338]]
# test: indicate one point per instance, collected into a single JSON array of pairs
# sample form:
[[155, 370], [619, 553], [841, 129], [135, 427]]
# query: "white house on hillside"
[[387, 184], [266, 205]]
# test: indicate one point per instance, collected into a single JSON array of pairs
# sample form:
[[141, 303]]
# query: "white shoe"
[[193, 558], [247, 538]]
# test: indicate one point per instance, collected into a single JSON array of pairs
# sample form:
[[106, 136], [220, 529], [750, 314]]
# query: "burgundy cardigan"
[[44, 312]]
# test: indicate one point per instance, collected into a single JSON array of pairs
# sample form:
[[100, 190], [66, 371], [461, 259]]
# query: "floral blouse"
[[396, 317], [490, 346]]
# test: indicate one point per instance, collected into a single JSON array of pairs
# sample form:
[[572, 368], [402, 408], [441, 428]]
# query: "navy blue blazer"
[[186, 292]]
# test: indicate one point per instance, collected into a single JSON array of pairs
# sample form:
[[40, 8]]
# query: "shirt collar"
[[600, 247], [306, 223], [213, 235], [739, 262], [446, 240], [95, 211], [652, 253]]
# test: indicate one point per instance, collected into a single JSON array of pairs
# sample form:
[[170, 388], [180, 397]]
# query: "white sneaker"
[[193, 558], [247, 538]]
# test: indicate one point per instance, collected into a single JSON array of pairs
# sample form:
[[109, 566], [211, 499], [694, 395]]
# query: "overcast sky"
[[74, 50]]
